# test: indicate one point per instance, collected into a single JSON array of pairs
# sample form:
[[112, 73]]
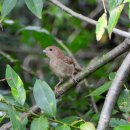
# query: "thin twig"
[[7, 56], [86, 19], [120, 49], [104, 7], [113, 93], [2, 80]]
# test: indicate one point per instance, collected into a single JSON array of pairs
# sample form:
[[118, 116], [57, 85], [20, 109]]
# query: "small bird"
[[62, 66]]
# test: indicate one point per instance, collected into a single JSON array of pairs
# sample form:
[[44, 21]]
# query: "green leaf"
[[114, 16], [87, 126], [63, 127], [129, 11], [125, 1], [101, 26], [15, 119], [45, 98], [101, 89], [7, 6], [114, 3], [35, 6], [123, 104], [112, 75], [122, 127], [115, 122], [70, 119], [16, 84], [40, 123]]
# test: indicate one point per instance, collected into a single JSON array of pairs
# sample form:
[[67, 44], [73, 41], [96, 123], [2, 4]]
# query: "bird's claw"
[[74, 81]]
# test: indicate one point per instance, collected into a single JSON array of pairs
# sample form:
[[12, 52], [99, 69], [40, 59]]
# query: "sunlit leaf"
[[122, 127], [114, 16], [101, 26], [125, 1], [16, 84], [87, 126], [35, 6], [45, 98], [7, 6], [40, 123]]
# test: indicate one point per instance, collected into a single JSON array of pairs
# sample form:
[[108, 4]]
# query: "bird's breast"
[[60, 68]]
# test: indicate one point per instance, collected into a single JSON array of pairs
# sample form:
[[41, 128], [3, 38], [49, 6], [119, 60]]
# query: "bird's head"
[[53, 52]]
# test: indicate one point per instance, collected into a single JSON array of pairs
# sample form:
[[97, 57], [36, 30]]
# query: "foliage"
[[31, 25]]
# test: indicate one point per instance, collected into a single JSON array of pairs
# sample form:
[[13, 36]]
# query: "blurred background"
[[24, 36]]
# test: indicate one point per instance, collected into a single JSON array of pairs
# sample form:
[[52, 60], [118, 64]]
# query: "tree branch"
[[113, 93], [86, 19], [120, 49]]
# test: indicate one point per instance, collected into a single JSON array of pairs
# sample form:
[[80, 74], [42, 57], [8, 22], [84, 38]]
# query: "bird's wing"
[[68, 60]]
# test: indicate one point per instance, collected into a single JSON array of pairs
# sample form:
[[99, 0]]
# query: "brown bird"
[[62, 66]]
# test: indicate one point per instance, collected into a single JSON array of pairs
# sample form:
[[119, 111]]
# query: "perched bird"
[[62, 66]]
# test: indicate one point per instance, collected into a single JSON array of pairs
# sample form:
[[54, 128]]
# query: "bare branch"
[[113, 93], [86, 19]]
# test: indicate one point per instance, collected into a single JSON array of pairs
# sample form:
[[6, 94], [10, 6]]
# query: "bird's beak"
[[44, 51]]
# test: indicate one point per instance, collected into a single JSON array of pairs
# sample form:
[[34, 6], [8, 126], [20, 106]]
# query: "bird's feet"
[[74, 80], [58, 90]]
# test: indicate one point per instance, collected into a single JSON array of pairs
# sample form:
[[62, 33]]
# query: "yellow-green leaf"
[[101, 26], [87, 126], [16, 84]]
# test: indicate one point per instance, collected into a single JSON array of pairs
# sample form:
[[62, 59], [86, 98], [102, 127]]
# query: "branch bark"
[[120, 49], [86, 19], [113, 93]]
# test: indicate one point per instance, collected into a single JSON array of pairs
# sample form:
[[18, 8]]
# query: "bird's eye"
[[50, 49]]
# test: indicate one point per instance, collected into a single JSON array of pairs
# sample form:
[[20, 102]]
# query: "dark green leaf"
[[115, 122], [123, 104], [101, 89], [7, 6], [101, 26], [122, 127], [16, 85], [40, 123], [45, 98], [70, 119], [35, 6], [63, 127], [114, 16]]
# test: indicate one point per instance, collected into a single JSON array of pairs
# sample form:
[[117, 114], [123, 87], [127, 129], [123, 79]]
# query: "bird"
[[61, 65]]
